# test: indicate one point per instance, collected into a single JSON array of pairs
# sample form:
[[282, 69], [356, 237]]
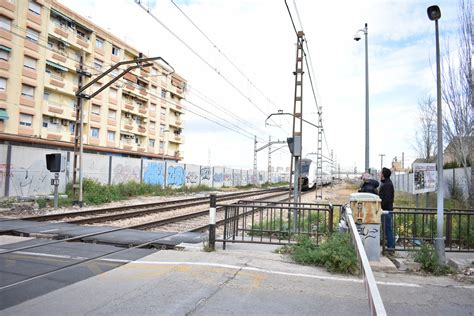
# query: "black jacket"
[[387, 194], [370, 186]]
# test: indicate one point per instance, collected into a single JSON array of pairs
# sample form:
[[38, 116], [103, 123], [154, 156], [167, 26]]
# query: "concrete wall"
[[26, 174], [456, 177]]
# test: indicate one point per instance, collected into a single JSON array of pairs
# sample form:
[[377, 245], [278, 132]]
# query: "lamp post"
[[434, 14], [357, 38]]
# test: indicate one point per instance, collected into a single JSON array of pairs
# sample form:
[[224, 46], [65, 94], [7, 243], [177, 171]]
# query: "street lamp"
[[434, 14], [357, 37]]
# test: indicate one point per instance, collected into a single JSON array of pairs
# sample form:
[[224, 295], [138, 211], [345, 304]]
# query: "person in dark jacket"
[[387, 195], [369, 185]]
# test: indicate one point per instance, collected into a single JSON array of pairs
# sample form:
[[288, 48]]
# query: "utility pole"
[[77, 171], [403, 160], [298, 123], [255, 160], [319, 158], [381, 161], [269, 177], [139, 62]]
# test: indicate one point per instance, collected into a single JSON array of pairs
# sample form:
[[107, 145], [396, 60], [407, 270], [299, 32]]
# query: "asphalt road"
[[243, 280]]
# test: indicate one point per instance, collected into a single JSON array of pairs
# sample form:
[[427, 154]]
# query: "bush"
[[429, 261], [42, 203], [337, 254]]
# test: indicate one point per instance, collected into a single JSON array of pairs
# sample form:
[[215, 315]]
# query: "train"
[[308, 175]]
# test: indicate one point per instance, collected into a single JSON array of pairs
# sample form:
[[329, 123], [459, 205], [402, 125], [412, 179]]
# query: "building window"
[[94, 132], [162, 128], [113, 93], [162, 145], [95, 109], [99, 43], [163, 93], [46, 96], [115, 51], [27, 91], [32, 35], [151, 143], [152, 107], [98, 64], [154, 72], [30, 62], [112, 114], [111, 136], [26, 119], [152, 125], [3, 84], [72, 127], [163, 111], [5, 23], [34, 7], [4, 55]]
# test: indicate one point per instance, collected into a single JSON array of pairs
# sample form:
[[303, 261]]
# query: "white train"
[[308, 175]]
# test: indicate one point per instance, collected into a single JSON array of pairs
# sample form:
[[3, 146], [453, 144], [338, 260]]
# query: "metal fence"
[[275, 222], [414, 226]]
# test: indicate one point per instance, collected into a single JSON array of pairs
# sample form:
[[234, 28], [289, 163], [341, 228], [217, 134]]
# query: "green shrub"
[[337, 254], [42, 203], [429, 260]]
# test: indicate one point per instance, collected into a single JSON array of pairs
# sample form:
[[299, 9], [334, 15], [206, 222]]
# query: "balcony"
[[178, 154], [176, 139], [62, 58], [128, 145]]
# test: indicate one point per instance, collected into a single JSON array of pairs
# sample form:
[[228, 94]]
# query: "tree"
[[425, 138], [457, 91]]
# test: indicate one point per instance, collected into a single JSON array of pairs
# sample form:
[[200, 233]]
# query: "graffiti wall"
[[29, 177], [125, 169], [228, 177], [28, 173], [218, 177], [175, 175], [192, 175], [237, 175], [95, 167], [206, 176], [154, 172]]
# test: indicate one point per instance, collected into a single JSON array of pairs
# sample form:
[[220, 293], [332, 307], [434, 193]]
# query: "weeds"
[[337, 254], [429, 261]]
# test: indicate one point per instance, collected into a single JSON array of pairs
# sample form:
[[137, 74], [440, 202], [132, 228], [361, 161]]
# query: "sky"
[[241, 71]]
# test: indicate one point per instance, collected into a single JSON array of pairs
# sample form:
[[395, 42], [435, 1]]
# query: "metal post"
[[381, 161], [56, 186], [212, 222], [367, 164], [440, 200], [269, 176], [255, 176]]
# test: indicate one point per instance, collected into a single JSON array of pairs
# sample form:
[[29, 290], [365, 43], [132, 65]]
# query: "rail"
[[375, 300], [415, 226]]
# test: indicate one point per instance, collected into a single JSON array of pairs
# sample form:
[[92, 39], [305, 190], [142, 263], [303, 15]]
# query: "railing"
[[375, 300], [415, 226], [268, 222]]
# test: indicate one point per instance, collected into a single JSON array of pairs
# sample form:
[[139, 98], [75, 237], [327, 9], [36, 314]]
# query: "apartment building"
[[41, 46]]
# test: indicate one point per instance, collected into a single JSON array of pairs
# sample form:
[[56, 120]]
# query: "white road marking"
[[244, 268]]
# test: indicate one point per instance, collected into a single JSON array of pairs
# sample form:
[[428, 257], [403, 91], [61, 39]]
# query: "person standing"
[[369, 185], [387, 195]]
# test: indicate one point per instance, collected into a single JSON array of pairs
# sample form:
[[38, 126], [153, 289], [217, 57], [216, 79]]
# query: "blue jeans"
[[388, 228]]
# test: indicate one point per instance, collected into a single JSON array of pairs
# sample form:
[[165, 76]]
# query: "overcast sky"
[[258, 38]]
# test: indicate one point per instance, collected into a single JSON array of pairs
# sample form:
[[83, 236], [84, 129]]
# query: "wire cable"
[[202, 58]]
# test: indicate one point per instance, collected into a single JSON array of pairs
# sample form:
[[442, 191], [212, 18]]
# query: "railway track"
[[120, 212]]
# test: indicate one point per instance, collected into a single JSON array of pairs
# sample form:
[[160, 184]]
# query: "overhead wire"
[[224, 55], [183, 42]]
